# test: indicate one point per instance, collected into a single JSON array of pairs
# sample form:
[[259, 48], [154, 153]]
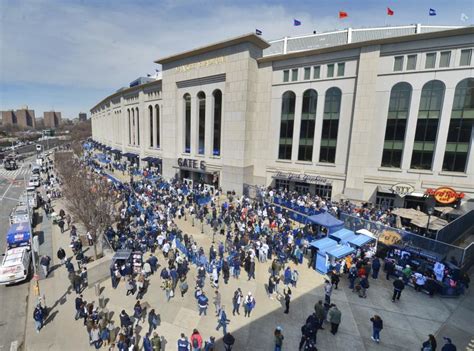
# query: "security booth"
[[342, 236]]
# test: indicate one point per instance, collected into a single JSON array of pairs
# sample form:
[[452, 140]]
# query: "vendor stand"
[[364, 242], [326, 222], [342, 236], [337, 253], [322, 245]]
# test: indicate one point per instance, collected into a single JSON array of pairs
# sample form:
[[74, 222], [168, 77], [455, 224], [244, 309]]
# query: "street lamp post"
[[430, 212]]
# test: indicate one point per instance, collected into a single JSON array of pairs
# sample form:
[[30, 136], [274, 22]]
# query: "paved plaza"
[[406, 324]]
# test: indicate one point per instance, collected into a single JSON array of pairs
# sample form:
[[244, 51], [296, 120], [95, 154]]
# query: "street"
[[13, 299]]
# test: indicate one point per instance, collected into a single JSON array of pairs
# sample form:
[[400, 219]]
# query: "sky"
[[67, 55]]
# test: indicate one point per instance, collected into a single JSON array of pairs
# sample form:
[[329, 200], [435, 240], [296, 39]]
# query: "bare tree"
[[90, 198]]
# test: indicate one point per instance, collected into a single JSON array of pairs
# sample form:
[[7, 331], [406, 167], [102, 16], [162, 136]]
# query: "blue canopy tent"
[[321, 259], [342, 236], [340, 251], [326, 220], [323, 244], [360, 240], [332, 253]]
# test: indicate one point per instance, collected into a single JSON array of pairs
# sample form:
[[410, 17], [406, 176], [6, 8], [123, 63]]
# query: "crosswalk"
[[17, 174]]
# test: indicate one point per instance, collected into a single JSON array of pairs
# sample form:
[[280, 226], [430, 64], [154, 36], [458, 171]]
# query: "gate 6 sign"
[[402, 189]]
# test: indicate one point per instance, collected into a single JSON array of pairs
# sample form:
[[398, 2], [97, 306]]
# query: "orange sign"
[[445, 195]]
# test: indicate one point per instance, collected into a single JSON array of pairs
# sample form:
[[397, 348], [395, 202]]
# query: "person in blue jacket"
[[183, 343]]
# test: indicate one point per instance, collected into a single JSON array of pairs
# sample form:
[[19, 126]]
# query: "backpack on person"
[[195, 343]]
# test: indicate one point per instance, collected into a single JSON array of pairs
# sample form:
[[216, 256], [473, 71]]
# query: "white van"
[[15, 266]]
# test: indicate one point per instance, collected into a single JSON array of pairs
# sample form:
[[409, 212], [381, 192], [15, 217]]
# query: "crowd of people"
[[249, 232]]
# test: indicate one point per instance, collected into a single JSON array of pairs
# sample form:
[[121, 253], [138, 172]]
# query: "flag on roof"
[[390, 12], [258, 32], [296, 22], [432, 12], [464, 17], [343, 14]]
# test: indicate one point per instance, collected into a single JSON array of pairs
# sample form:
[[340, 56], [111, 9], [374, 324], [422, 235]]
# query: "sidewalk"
[[407, 323]]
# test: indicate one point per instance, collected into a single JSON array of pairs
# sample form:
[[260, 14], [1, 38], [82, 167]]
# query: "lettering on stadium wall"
[[205, 63], [190, 163], [305, 178]]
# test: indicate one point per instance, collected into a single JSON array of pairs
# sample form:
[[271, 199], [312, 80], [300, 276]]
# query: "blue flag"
[[258, 32], [296, 22], [432, 12]]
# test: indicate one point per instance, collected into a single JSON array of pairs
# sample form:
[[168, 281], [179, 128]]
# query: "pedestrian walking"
[[334, 317], [287, 295], [147, 346], [222, 321], [249, 304], [389, 268], [45, 262], [183, 343], [278, 339], [203, 302], [236, 301], [398, 286], [430, 344], [61, 254], [375, 267], [364, 285], [156, 342], [229, 341], [217, 301], [377, 326], [319, 312], [196, 340], [153, 320], [78, 305], [448, 346], [95, 337], [38, 316], [327, 291], [305, 335], [90, 239]]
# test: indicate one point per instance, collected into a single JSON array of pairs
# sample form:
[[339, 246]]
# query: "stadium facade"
[[375, 114]]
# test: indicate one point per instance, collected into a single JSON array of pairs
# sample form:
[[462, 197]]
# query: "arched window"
[[129, 127], [308, 120], [216, 147], [332, 108], [157, 123], [426, 130], [187, 123], [150, 117], [398, 109], [286, 125], [460, 132], [201, 122], [133, 126], [138, 127]]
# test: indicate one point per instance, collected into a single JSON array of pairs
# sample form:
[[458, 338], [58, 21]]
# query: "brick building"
[[82, 117], [52, 119], [23, 118]]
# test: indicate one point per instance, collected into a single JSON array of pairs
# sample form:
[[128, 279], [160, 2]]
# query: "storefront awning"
[[151, 159], [384, 189], [130, 155]]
